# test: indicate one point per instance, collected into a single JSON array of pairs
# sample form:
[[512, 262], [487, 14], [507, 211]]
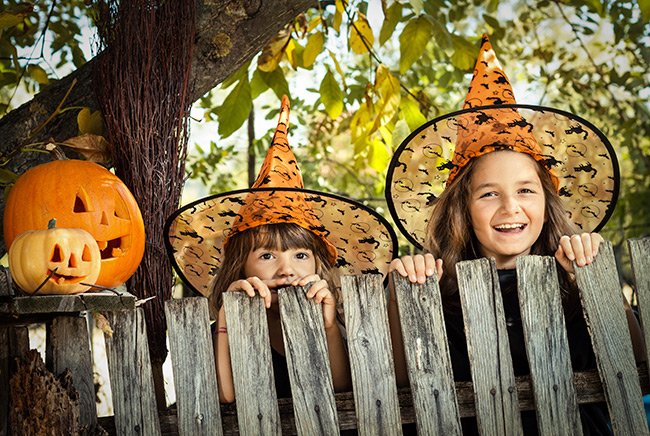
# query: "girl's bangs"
[[282, 237]]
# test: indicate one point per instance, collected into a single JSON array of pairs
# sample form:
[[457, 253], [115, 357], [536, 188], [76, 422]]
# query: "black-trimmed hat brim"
[[194, 234]]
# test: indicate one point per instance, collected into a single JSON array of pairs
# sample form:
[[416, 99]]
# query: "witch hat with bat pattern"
[[359, 239], [579, 157]]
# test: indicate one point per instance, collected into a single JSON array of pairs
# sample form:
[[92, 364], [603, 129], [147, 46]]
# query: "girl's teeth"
[[510, 226]]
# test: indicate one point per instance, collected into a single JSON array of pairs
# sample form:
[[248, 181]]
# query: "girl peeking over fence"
[[502, 180], [273, 235]]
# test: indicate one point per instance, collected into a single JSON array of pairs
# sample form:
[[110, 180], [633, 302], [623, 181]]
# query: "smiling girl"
[[521, 180]]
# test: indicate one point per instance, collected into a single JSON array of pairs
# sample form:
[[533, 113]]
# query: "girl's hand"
[[417, 268], [253, 285], [582, 248], [320, 293]]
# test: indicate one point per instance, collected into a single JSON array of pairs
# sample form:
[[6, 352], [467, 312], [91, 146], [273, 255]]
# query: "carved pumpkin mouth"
[[113, 248], [61, 279]]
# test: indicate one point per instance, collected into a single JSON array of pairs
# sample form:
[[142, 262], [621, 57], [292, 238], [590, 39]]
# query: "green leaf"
[[393, 16], [417, 6], [338, 68], [644, 5], [258, 85], [400, 133], [38, 74], [465, 53], [441, 35], [359, 33], [413, 41], [10, 19], [331, 95], [236, 76], [313, 48], [277, 82], [235, 109], [412, 114], [7, 176], [379, 157], [596, 6]]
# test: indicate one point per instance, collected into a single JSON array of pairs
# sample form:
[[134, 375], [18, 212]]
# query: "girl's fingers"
[[307, 279], [439, 268], [398, 265]]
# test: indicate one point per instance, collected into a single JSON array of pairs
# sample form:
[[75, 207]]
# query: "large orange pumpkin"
[[80, 194]]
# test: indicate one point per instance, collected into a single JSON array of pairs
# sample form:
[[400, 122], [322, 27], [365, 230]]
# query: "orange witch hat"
[[358, 238], [579, 157], [279, 170]]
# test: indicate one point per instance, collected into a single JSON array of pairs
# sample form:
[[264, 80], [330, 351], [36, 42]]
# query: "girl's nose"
[[285, 268], [510, 204]]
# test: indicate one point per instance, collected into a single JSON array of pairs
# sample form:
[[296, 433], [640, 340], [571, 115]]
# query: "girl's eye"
[[527, 191], [302, 255], [487, 194], [266, 256]]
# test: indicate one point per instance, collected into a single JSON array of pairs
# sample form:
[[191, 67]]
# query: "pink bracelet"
[[222, 330]]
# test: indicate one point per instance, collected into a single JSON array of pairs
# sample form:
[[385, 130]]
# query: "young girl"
[[273, 235], [505, 195]]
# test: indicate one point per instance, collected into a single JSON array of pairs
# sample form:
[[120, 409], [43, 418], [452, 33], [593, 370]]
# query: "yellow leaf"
[[338, 68], [93, 147], [292, 54], [313, 48], [103, 324], [338, 18], [314, 23], [272, 53], [89, 122], [361, 37], [37, 73]]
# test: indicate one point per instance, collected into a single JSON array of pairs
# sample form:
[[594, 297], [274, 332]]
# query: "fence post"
[[547, 347], [305, 346], [371, 355], [195, 375], [129, 369], [427, 356], [497, 405], [640, 257], [252, 367], [603, 307]]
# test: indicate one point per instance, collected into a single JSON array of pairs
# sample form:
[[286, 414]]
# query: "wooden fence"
[[434, 401]]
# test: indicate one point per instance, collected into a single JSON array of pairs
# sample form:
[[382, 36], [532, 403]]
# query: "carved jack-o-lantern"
[[54, 261], [80, 194]]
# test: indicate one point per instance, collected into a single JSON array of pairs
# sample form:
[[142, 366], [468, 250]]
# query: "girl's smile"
[[506, 206]]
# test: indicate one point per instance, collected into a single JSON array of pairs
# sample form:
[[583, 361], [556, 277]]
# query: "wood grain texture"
[[305, 346], [497, 407], [14, 343], [129, 370], [371, 361], [640, 259], [252, 368], [603, 306], [95, 301], [547, 347], [195, 375], [71, 350], [427, 356]]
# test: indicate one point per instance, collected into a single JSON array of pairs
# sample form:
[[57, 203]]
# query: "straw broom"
[[141, 81]]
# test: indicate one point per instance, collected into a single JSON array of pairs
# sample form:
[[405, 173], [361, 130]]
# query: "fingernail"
[[589, 259], [429, 272]]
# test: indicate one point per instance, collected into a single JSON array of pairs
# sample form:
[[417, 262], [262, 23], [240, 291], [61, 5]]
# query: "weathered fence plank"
[[640, 259], [309, 369], [547, 347], [14, 343], [195, 375], [130, 374], [497, 407], [371, 361], [427, 357], [70, 349], [252, 368], [603, 306]]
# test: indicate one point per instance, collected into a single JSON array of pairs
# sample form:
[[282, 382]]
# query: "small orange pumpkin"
[[68, 259], [83, 195]]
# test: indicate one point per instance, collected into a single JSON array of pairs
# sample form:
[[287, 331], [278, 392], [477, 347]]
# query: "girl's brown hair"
[[282, 236], [450, 236]]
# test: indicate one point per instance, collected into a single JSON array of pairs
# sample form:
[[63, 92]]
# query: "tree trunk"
[[228, 34]]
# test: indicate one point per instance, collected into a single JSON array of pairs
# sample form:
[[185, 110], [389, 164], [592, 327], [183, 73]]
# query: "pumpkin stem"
[[51, 224]]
